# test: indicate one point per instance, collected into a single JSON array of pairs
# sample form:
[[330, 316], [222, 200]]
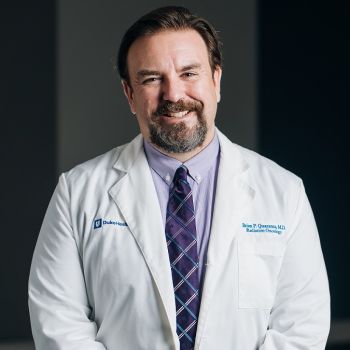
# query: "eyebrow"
[[147, 72], [190, 67]]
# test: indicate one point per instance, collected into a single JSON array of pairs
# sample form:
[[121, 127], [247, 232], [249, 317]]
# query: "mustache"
[[166, 107]]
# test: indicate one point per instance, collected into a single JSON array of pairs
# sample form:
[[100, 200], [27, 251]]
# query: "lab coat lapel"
[[136, 197], [233, 196]]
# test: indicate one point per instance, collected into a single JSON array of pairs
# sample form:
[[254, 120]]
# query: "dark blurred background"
[[285, 95]]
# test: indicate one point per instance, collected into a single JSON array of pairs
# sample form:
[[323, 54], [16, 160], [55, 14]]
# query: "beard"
[[178, 138]]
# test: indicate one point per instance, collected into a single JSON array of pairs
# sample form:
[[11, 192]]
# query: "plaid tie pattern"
[[180, 230]]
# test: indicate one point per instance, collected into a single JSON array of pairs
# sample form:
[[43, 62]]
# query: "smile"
[[176, 114]]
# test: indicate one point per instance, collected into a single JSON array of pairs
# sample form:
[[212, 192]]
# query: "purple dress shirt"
[[203, 170]]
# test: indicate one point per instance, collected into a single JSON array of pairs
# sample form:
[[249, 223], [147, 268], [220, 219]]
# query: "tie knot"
[[180, 174]]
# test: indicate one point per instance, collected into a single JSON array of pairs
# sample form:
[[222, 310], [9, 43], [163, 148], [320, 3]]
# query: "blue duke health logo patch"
[[98, 223]]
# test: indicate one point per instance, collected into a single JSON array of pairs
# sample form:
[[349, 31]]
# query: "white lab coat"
[[101, 279]]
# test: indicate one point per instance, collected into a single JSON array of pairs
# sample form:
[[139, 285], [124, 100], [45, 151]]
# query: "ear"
[[129, 95], [217, 82]]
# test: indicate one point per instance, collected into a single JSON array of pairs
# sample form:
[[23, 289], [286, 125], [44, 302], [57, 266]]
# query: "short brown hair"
[[169, 18]]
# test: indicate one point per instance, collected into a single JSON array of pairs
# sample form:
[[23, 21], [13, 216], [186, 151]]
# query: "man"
[[179, 239]]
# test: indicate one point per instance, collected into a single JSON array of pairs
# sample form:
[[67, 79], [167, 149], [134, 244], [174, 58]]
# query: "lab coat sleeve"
[[58, 303], [300, 317]]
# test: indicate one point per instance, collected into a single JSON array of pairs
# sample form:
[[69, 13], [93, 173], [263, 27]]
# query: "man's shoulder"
[[101, 166], [263, 164], [260, 168]]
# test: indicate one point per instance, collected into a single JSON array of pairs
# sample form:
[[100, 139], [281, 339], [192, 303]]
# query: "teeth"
[[177, 114]]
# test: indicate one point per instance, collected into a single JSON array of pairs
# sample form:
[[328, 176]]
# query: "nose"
[[172, 89]]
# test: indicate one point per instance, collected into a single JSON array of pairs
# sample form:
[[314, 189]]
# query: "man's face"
[[173, 90]]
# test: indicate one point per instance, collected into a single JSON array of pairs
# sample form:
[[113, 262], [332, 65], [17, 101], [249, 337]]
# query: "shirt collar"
[[198, 166]]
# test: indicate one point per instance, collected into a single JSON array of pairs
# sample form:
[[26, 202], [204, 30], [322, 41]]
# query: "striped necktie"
[[180, 230]]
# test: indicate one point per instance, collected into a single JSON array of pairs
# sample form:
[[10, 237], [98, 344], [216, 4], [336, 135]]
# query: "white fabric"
[[110, 287]]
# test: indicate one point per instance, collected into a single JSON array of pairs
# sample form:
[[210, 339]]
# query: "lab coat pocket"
[[259, 263]]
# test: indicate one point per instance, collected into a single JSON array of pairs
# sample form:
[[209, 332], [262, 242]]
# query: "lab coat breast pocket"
[[259, 262]]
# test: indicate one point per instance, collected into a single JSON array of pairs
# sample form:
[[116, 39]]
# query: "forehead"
[[167, 48]]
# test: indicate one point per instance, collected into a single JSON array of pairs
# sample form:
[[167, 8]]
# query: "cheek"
[[206, 93], [197, 92], [203, 91], [146, 102]]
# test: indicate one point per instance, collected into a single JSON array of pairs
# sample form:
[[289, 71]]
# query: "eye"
[[189, 75], [151, 80]]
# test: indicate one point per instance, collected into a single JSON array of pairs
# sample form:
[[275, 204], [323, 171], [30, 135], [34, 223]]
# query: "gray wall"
[[27, 148], [93, 115]]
